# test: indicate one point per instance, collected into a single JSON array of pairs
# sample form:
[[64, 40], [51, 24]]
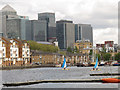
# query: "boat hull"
[[95, 70], [111, 80]]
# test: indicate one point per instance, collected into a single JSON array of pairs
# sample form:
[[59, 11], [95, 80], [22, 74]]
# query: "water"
[[24, 75]]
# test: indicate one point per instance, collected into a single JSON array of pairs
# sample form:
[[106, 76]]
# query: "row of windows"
[[27, 55], [12, 54], [27, 50], [13, 46]]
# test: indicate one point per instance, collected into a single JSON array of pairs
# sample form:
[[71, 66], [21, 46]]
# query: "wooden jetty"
[[52, 81], [105, 74]]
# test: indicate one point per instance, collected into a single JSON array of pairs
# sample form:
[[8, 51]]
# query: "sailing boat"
[[64, 66], [96, 65]]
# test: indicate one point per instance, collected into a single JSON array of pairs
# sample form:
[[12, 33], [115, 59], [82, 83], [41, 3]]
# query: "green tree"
[[99, 57], [117, 56], [62, 52], [107, 56], [91, 51], [69, 49], [75, 50], [42, 47]]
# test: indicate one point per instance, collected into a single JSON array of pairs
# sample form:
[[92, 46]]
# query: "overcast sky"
[[101, 14]]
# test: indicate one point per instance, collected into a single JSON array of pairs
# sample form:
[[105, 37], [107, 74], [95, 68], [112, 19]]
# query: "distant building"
[[100, 46], [49, 17], [5, 13], [84, 46], [29, 30], [13, 28], [51, 25], [39, 29], [116, 47], [36, 30], [16, 27], [109, 46], [65, 33], [83, 32], [11, 24], [14, 52]]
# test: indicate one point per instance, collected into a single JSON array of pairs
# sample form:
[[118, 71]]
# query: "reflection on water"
[[57, 73]]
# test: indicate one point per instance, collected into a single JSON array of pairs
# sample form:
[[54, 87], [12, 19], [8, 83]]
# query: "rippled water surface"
[[24, 75]]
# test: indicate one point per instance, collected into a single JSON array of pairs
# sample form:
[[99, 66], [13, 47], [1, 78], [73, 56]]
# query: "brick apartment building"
[[55, 58], [108, 45], [14, 52]]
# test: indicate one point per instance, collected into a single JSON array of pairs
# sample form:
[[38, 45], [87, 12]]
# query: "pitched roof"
[[8, 8]]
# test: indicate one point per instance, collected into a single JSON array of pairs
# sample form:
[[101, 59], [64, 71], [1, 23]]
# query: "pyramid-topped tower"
[[8, 8], [5, 13]]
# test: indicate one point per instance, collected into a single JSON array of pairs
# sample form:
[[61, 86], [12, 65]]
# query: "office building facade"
[[83, 32], [16, 27], [65, 33], [39, 30], [5, 13], [51, 25]]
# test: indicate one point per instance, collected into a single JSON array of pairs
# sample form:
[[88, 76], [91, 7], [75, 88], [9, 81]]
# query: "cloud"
[[101, 35], [101, 14]]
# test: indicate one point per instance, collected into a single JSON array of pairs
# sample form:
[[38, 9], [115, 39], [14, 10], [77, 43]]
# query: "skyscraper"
[[36, 30], [83, 32], [6, 12], [51, 25], [65, 33], [49, 17], [16, 27]]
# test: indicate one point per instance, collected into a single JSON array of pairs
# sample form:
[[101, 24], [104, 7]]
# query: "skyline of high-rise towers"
[[46, 28]]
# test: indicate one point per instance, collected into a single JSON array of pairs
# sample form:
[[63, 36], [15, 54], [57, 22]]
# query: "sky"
[[101, 14]]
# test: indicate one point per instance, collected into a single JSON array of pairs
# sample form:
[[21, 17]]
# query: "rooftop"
[[8, 8]]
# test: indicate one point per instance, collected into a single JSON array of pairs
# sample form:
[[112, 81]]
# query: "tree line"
[[42, 47]]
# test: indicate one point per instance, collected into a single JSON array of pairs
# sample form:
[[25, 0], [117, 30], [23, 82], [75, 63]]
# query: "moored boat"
[[116, 64], [58, 65], [111, 80]]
